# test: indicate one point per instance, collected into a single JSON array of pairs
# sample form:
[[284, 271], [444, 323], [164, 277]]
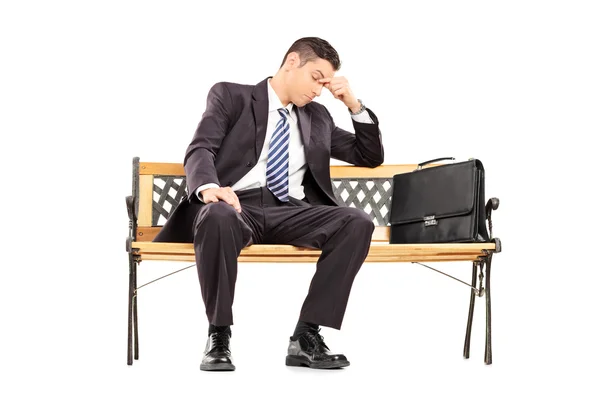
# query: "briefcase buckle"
[[430, 220]]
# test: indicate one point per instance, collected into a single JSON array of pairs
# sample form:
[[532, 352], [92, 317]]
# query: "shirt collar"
[[274, 102]]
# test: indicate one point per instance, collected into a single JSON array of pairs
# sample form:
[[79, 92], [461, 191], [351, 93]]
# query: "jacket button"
[[248, 164]]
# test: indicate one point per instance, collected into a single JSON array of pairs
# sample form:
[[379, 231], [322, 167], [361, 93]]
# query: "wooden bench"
[[158, 187]]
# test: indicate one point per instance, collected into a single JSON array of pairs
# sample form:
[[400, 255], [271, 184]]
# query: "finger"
[[237, 205], [340, 91], [226, 197], [336, 86], [231, 199], [211, 199], [235, 201], [335, 79]]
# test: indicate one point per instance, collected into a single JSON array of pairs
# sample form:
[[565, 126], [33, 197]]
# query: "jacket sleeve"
[[364, 148], [199, 161]]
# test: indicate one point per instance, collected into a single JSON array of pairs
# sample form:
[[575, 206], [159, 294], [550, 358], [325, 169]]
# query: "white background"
[[86, 86]]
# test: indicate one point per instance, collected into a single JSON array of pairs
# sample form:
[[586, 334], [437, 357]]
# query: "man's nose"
[[317, 90]]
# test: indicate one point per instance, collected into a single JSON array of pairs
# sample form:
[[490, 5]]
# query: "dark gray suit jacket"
[[230, 137]]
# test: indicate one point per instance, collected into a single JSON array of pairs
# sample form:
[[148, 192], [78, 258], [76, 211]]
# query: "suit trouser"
[[220, 233]]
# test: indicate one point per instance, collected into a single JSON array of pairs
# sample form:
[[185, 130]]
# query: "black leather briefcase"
[[439, 204]]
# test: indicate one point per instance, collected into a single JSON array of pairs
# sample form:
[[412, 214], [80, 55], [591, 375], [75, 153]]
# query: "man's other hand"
[[226, 194]]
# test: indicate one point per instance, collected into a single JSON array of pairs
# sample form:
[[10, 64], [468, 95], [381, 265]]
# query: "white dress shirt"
[[257, 176]]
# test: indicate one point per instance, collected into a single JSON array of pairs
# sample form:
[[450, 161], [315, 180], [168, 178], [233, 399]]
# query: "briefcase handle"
[[421, 165]]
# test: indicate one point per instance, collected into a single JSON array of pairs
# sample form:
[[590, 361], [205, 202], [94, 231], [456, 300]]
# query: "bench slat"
[[146, 190], [147, 234], [337, 171], [383, 171], [150, 247], [378, 252], [315, 258], [154, 168]]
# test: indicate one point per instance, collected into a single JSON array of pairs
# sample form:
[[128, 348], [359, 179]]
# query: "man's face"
[[302, 83]]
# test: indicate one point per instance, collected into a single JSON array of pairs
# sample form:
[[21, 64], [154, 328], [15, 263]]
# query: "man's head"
[[307, 60]]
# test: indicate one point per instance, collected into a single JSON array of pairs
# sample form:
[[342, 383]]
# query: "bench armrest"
[[130, 208], [492, 204], [130, 202]]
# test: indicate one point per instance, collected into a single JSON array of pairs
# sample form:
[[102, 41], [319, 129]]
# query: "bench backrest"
[[159, 187]]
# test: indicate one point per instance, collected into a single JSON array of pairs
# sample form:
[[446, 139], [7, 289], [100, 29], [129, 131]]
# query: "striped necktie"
[[277, 160]]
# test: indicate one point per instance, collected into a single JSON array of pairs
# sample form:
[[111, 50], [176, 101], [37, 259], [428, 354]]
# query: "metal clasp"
[[430, 220]]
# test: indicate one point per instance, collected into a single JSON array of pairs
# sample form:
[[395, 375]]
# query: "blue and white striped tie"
[[278, 158]]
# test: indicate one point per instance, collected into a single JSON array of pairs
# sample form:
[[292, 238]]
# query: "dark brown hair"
[[311, 48]]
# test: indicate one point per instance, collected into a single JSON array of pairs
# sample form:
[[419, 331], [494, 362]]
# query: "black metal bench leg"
[[488, 312], [136, 354], [467, 347], [130, 311]]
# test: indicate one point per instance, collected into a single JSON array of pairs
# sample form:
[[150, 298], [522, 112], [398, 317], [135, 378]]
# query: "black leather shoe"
[[217, 356], [311, 351]]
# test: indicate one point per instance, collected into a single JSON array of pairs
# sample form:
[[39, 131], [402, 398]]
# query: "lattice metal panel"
[[372, 195], [168, 191]]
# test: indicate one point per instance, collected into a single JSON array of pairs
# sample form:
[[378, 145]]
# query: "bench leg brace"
[[488, 310], [132, 325]]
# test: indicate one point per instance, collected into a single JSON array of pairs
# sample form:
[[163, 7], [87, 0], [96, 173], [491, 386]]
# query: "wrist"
[[357, 108]]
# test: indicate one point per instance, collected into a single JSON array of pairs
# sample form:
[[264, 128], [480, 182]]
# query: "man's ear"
[[292, 60]]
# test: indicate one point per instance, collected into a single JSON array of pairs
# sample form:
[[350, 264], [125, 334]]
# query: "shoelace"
[[316, 340], [220, 340]]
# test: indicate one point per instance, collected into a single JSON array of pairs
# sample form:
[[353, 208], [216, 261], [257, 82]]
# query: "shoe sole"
[[217, 367], [298, 361]]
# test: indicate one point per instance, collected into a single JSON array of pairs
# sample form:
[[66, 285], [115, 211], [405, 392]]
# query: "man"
[[258, 172]]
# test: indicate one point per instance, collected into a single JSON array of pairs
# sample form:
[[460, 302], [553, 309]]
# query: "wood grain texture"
[[378, 252], [337, 171], [146, 192], [147, 234]]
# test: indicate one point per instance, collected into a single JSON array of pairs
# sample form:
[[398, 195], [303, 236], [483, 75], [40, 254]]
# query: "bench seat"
[[379, 252]]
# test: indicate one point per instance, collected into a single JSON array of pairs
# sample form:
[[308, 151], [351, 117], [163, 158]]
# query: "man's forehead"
[[322, 67]]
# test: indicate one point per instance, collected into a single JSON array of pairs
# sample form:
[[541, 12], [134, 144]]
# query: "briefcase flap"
[[434, 193]]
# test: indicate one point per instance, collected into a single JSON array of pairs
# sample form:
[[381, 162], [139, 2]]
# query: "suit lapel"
[[304, 125], [260, 109]]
